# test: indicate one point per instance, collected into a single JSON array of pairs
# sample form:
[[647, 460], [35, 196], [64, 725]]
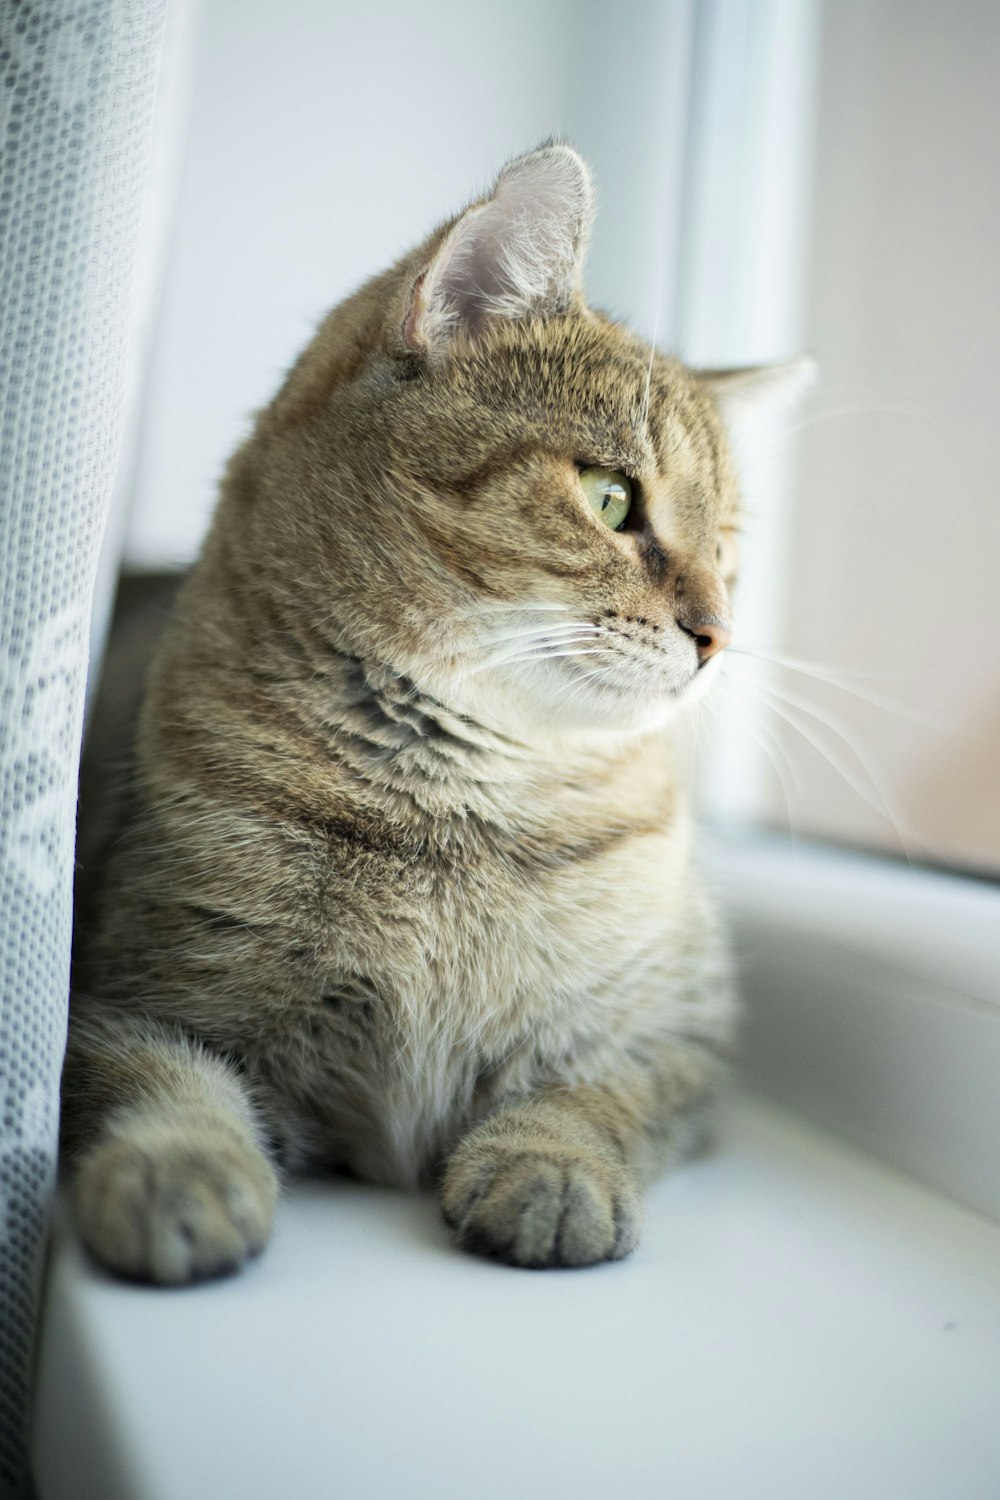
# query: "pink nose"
[[709, 637]]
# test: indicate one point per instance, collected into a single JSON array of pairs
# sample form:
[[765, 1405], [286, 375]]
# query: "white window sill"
[[872, 1003], [800, 1318]]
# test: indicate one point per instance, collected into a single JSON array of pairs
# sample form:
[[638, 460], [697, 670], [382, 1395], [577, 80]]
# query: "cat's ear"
[[515, 254], [755, 401], [753, 391]]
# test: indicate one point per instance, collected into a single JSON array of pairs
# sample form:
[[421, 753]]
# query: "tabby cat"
[[403, 883]]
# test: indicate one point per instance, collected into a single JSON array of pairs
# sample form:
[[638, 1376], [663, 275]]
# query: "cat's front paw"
[[174, 1199], [539, 1204]]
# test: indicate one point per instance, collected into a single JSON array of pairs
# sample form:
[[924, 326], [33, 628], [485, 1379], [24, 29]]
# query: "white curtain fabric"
[[77, 92]]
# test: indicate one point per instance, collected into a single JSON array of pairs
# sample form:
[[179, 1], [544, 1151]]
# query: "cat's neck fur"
[[345, 727]]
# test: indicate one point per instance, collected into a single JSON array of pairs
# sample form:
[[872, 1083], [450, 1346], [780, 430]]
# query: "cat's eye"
[[609, 495]]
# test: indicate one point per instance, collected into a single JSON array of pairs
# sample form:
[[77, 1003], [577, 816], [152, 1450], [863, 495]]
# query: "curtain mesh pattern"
[[77, 89]]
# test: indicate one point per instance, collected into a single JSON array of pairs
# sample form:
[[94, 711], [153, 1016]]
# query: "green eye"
[[609, 495]]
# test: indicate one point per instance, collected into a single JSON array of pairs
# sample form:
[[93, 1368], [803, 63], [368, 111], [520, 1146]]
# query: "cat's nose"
[[709, 637]]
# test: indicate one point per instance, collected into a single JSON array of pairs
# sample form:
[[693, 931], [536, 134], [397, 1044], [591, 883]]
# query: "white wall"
[[325, 137], [896, 530]]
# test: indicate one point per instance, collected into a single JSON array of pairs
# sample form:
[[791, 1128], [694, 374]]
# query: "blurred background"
[[773, 177]]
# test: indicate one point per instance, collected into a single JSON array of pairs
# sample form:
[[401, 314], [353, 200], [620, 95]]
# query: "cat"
[[403, 883]]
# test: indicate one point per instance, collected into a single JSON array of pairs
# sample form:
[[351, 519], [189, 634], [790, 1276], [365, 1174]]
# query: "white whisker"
[[770, 744], [585, 681], [555, 655], [840, 680], [544, 632], [791, 707], [792, 430], [535, 653], [656, 333], [499, 653]]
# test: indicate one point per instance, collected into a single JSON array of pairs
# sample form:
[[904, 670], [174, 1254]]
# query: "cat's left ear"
[[516, 254], [753, 391]]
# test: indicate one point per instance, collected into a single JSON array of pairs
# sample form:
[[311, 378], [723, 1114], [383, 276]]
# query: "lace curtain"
[[77, 92]]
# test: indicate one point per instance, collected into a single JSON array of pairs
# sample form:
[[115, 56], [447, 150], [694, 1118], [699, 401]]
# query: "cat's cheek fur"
[[546, 699]]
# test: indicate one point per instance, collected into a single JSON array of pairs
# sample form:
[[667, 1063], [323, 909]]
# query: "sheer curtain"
[[77, 94]]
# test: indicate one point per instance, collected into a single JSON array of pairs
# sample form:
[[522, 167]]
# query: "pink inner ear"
[[413, 338], [477, 279], [516, 255]]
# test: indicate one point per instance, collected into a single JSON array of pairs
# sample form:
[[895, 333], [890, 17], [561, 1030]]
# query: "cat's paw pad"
[[174, 1200], [538, 1206]]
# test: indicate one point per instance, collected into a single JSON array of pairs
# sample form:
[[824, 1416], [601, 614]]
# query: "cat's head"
[[475, 479]]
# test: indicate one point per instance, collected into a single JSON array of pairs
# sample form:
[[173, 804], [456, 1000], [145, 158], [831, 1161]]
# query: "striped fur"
[[403, 880]]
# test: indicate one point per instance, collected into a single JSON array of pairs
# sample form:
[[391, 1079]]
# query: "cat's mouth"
[[610, 666], [644, 674], [544, 666], [650, 656]]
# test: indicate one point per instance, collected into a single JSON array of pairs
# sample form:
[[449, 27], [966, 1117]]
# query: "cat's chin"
[[537, 708], [556, 703], [616, 715]]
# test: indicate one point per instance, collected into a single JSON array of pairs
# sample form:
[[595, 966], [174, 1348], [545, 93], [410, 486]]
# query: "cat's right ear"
[[751, 398], [753, 390], [516, 254]]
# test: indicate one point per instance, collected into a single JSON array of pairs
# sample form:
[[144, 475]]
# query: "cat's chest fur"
[[496, 972]]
